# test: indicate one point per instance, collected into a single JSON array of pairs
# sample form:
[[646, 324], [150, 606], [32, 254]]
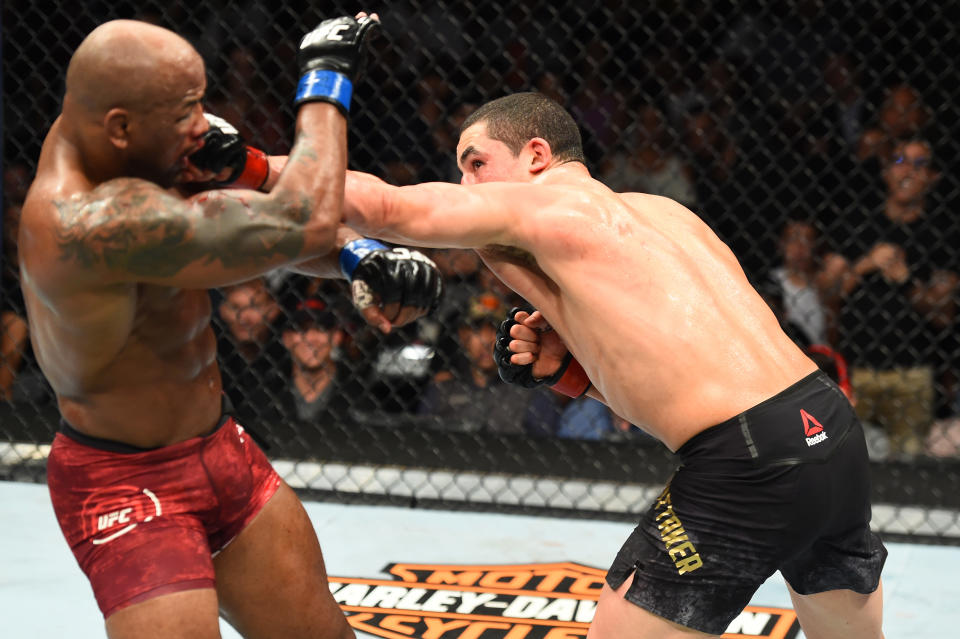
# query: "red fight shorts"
[[147, 522]]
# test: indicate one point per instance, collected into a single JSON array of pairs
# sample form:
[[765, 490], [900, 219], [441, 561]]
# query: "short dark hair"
[[518, 118]]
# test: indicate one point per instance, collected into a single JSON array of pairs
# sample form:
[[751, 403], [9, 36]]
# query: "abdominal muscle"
[[163, 385]]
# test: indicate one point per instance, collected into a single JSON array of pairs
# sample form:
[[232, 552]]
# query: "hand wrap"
[[390, 275], [569, 379], [330, 58], [224, 147]]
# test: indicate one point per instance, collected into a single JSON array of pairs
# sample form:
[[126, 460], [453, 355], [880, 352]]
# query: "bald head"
[[129, 64]]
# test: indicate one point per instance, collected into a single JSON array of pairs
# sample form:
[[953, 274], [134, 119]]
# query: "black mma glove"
[[569, 379], [386, 275], [330, 58], [224, 147]]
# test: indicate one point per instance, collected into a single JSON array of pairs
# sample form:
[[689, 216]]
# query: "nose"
[[200, 124], [249, 316]]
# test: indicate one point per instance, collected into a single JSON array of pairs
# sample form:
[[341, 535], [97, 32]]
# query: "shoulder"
[[85, 215], [72, 235]]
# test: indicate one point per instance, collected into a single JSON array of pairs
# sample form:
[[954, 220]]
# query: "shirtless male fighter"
[[665, 329], [171, 510]]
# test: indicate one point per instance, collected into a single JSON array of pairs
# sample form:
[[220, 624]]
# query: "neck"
[[563, 173], [904, 211], [481, 377], [798, 274], [79, 141], [313, 376], [312, 382]]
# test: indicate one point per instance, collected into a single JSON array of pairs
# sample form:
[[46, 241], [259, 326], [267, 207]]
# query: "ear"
[[540, 154], [287, 339], [337, 338], [116, 123]]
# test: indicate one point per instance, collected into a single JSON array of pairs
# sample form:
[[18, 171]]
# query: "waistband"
[[773, 429], [114, 446]]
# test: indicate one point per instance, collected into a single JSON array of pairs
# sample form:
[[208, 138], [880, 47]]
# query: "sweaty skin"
[[115, 266], [654, 306]]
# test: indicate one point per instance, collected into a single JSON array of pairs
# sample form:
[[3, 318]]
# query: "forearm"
[[364, 202], [935, 299], [312, 176], [436, 214], [328, 266]]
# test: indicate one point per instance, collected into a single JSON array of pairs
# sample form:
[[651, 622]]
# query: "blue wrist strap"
[[324, 84], [353, 252]]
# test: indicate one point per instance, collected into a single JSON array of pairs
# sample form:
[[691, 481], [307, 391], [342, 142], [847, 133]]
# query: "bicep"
[[433, 214]]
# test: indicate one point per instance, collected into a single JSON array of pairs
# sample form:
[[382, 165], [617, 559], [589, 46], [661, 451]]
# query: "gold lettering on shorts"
[[683, 553]]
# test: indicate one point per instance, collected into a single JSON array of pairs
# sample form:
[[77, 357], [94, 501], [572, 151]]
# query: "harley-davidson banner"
[[523, 601]]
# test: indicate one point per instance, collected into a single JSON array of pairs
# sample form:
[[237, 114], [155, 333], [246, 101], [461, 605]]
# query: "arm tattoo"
[[133, 227]]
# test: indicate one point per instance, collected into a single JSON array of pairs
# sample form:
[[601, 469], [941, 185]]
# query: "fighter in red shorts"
[[171, 510]]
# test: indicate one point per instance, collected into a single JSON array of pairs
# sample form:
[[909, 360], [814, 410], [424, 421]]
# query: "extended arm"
[[440, 214], [131, 231], [389, 286]]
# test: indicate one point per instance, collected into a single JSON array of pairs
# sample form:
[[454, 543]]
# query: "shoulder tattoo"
[[134, 227]]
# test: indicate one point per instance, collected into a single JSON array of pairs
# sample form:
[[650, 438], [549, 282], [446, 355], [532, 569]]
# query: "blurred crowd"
[[824, 173]]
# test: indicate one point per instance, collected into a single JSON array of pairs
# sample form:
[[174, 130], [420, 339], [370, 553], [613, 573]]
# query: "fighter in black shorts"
[[770, 489], [641, 306]]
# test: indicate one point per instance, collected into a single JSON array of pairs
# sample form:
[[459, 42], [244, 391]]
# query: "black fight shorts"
[[783, 486]]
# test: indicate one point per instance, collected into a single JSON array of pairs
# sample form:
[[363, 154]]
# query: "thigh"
[[189, 614], [704, 546], [617, 618], [840, 614], [271, 579]]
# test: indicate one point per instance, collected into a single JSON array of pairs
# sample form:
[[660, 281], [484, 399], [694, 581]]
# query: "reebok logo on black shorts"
[[812, 428]]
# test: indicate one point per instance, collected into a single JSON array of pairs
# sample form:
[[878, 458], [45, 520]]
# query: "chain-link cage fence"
[[817, 139]]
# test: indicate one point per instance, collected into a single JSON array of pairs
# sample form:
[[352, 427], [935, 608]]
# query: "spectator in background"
[[311, 338], [20, 377], [902, 116], [320, 392], [897, 295], [248, 346], [726, 185], [646, 163], [461, 270], [16, 181], [474, 399], [712, 150], [796, 283], [429, 123], [844, 101], [557, 415], [13, 323]]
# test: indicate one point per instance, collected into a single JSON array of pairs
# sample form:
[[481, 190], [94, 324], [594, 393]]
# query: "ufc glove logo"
[[324, 32]]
